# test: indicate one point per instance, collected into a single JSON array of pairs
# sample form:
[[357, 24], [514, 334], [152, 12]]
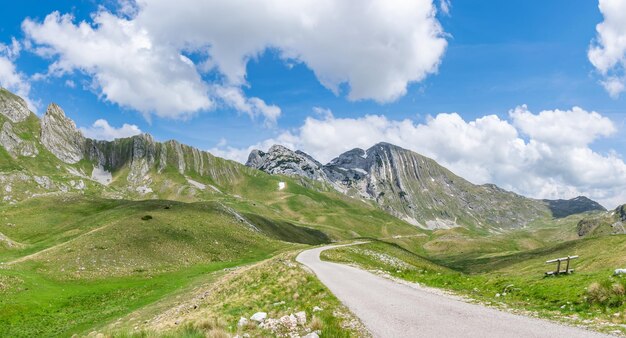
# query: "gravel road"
[[392, 309]]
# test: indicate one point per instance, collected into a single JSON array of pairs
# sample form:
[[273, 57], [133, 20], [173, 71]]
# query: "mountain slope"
[[416, 188], [603, 223], [61, 161]]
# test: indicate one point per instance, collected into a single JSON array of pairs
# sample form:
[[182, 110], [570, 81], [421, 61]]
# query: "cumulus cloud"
[[445, 6], [136, 56], [377, 47], [125, 64], [548, 163], [12, 79], [254, 107], [102, 130], [557, 127], [11, 50], [608, 51]]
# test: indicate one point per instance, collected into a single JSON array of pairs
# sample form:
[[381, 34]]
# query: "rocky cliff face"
[[13, 106], [60, 136], [414, 188], [15, 145], [65, 160]]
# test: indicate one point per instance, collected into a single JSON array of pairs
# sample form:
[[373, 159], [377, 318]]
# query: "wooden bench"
[[558, 270]]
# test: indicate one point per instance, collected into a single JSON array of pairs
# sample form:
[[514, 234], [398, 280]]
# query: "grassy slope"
[[105, 261], [79, 255]]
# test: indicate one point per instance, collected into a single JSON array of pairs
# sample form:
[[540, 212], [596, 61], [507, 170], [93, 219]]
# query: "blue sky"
[[498, 55]]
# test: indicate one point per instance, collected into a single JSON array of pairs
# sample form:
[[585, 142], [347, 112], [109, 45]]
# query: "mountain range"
[[50, 155]]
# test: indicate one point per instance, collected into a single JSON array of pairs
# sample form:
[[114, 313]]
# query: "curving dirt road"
[[391, 309]]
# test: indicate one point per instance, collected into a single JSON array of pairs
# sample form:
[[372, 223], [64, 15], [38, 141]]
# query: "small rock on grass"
[[312, 335], [301, 317], [242, 321], [317, 309], [259, 317]]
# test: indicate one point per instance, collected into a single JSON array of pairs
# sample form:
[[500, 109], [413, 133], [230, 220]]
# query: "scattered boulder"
[[286, 324], [301, 317], [289, 322], [312, 335], [242, 322], [619, 272], [259, 317], [317, 309]]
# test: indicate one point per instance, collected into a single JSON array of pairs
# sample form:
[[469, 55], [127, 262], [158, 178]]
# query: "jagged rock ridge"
[[65, 160]]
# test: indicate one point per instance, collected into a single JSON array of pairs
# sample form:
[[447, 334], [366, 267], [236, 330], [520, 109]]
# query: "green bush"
[[608, 293]]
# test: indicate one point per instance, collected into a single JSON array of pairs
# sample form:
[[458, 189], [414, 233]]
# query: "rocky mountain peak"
[[281, 160], [60, 136], [563, 208], [13, 106], [355, 158]]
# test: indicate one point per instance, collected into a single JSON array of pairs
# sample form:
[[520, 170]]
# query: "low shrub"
[[608, 293]]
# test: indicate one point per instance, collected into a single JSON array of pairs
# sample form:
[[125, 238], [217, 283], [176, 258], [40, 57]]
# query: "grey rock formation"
[[14, 145], [281, 160], [13, 106], [60, 136]]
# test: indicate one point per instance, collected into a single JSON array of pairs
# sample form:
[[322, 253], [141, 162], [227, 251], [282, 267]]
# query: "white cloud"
[[375, 46], [102, 130], [608, 52], [136, 56], [12, 79], [614, 85], [125, 64], [557, 127], [551, 163], [233, 96], [445, 6], [12, 50]]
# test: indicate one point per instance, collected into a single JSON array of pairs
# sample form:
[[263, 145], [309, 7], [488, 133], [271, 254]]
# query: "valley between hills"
[[138, 238]]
